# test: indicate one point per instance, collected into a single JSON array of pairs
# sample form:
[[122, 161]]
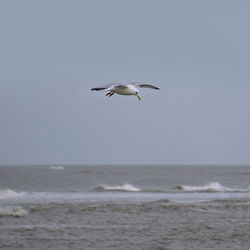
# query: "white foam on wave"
[[122, 187], [14, 211], [211, 187], [8, 193], [57, 167]]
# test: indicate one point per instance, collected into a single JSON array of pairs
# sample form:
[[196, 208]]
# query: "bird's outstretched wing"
[[120, 86], [145, 85], [104, 87]]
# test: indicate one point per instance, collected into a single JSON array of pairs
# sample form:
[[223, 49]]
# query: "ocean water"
[[124, 207]]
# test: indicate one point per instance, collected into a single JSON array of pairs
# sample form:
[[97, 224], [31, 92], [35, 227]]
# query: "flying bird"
[[124, 89]]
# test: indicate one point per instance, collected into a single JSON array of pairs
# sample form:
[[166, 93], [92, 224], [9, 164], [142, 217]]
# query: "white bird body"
[[124, 89]]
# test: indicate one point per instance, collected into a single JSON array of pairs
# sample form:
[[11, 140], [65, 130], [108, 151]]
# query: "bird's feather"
[[104, 87], [120, 86], [145, 85]]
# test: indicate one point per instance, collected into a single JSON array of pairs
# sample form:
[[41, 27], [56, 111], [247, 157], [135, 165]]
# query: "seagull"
[[124, 89]]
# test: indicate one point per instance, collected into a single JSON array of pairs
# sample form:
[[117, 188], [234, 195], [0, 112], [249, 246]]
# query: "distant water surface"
[[124, 207]]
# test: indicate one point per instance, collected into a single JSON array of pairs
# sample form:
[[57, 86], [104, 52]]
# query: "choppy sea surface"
[[124, 207]]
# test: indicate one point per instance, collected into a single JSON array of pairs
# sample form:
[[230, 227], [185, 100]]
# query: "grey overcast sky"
[[53, 52]]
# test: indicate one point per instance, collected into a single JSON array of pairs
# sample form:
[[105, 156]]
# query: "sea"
[[125, 207]]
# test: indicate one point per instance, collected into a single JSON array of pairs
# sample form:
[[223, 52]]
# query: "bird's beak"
[[138, 96]]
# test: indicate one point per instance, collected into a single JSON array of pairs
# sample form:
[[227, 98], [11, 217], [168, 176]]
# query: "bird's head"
[[137, 94]]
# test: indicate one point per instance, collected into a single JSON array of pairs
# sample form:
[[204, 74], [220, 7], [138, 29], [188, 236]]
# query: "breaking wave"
[[57, 167], [13, 211], [8, 193], [122, 187], [211, 187]]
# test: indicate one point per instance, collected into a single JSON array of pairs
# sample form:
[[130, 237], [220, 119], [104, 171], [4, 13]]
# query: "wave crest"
[[56, 167], [6, 193], [122, 187], [211, 187]]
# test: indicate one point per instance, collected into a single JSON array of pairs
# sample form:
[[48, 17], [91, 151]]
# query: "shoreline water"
[[124, 208]]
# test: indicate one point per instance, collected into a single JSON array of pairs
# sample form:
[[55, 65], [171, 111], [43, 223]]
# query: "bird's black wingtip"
[[97, 89]]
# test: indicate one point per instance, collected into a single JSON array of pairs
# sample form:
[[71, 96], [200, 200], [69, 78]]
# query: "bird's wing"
[[104, 87], [145, 85], [121, 86]]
